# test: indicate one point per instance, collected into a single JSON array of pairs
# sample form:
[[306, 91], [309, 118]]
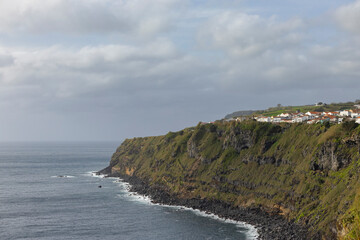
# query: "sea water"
[[48, 191]]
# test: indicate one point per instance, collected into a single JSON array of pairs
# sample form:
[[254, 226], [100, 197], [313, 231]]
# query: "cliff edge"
[[303, 177]]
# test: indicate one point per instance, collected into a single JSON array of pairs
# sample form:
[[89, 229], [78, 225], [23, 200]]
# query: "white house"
[[276, 119], [330, 113], [312, 115], [263, 119], [358, 120], [354, 114], [302, 118], [287, 120], [312, 121], [284, 115], [345, 113], [333, 119]]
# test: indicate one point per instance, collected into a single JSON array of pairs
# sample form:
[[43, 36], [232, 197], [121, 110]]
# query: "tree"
[[349, 125], [320, 109], [327, 124]]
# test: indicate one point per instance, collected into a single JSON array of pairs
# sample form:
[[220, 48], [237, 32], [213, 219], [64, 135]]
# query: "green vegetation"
[[274, 111], [308, 173]]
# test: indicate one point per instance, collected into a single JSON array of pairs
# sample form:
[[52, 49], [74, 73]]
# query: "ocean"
[[48, 191]]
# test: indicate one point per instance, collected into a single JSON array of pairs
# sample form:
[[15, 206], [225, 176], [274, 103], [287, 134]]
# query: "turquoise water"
[[35, 203]]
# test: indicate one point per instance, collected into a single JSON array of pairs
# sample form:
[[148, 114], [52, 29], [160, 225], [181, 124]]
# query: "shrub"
[[349, 125]]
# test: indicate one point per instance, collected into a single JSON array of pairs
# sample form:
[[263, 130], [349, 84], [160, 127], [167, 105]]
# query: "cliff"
[[307, 175]]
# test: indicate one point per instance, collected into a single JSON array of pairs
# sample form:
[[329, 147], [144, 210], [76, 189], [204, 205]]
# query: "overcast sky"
[[114, 69]]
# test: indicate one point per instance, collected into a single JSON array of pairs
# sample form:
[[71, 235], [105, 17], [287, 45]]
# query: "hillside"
[[273, 111], [308, 174], [240, 113]]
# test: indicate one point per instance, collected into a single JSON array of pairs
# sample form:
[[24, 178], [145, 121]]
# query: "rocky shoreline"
[[269, 226]]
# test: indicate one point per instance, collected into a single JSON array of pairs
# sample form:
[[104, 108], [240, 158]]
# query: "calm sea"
[[36, 203]]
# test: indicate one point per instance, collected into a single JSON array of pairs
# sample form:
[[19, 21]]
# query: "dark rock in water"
[[99, 186], [64, 176]]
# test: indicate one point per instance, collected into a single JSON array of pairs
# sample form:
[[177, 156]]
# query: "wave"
[[132, 196], [251, 233], [94, 174]]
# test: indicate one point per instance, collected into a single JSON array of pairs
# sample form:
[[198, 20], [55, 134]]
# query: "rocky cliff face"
[[305, 173], [238, 139]]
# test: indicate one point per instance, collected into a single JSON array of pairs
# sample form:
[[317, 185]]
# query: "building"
[[358, 120], [300, 118], [354, 113], [276, 119], [331, 113], [345, 113], [285, 115], [313, 117], [263, 119]]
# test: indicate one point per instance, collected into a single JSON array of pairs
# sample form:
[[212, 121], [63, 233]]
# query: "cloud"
[[6, 60], [86, 16], [121, 64], [244, 35], [318, 68], [257, 55], [262, 55], [56, 75], [348, 17]]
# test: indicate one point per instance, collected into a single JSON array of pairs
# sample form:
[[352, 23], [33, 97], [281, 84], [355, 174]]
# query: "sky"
[[106, 70]]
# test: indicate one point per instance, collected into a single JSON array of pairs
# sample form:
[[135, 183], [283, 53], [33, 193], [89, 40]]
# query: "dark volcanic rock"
[[238, 139], [269, 226], [328, 158]]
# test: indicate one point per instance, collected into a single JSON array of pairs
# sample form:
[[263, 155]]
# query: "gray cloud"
[[244, 35], [57, 75], [137, 85], [266, 54], [5, 60], [86, 16], [348, 17]]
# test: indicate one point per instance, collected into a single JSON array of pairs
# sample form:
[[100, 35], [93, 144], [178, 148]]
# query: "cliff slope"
[[308, 174]]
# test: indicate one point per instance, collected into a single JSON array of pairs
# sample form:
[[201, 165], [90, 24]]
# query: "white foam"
[[95, 174], [251, 233], [131, 196], [63, 176]]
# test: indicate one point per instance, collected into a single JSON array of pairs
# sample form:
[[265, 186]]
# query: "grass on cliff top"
[[305, 108]]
